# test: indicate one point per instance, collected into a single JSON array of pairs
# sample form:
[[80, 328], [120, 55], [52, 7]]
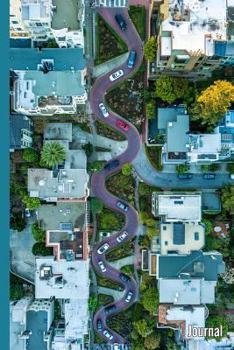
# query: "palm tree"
[[52, 154]]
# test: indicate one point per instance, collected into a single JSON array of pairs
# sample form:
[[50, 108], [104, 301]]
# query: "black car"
[[121, 22], [124, 277], [185, 176], [99, 326], [111, 165], [110, 309], [209, 176]]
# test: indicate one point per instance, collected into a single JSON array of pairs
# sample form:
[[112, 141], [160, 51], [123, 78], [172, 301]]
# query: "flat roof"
[[69, 280], [166, 115], [177, 134], [64, 59], [58, 131], [179, 207], [195, 265], [186, 292]]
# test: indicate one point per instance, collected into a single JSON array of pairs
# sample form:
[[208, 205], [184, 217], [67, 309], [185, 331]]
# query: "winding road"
[[97, 95]]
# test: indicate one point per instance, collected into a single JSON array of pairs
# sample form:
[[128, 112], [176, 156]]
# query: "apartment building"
[[47, 81], [195, 37]]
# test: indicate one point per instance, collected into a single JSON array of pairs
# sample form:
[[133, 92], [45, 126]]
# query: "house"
[[181, 318], [177, 207], [31, 324], [111, 3], [195, 37], [47, 81], [21, 132], [181, 237], [226, 130], [204, 148], [31, 18]]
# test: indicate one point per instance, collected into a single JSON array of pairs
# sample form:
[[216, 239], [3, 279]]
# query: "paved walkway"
[[107, 66], [115, 148], [129, 260], [116, 294]]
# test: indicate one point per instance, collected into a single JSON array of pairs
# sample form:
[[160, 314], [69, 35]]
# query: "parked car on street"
[[112, 164], [107, 335], [131, 59], [116, 75], [122, 236], [121, 124], [122, 206], [128, 297], [121, 22], [103, 109], [124, 277], [209, 176], [110, 309], [102, 266], [103, 248], [99, 326], [185, 176]]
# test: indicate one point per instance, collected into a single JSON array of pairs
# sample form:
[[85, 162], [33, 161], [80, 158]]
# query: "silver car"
[[128, 297], [103, 109], [102, 266], [116, 75], [103, 248], [121, 237], [107, 335]]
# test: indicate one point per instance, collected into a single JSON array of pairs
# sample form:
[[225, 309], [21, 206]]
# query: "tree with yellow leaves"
[[214, 102]]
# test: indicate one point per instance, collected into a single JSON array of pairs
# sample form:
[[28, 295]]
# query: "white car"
[[121, 237], [27, 213], [103, 109], [102, 266], [107, 335], [103, 248], [128, 297], [116, 75]]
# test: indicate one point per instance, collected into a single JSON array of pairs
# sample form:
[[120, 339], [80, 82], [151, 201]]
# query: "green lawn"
[[137, 15], [154, 155]]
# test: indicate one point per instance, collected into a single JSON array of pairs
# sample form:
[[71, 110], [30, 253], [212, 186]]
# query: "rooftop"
[[166, 115], [204, 146], [64, 59], [181, 237], [181, 317], [76, 319], [195, 265], [179, 207], [36, 10], [67, 184], [58, 131], [62, 279], [177, 134], [186, 292], [19, 122], [194, 25]]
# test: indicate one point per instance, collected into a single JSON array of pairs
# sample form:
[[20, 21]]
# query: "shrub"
[[38, 233]]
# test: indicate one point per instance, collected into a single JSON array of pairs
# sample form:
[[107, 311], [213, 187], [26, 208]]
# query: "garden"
[[107, 131], [154, 154], [127, 98], [108, 43], [138, 17], [122, 186]]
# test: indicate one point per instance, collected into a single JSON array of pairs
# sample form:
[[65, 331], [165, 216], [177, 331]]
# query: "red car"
[[122, 125]]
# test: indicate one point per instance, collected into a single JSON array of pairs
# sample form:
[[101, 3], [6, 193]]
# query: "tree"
[[88, 148], [16, 291], [151, 232], [227, 197], [182, 168], [152, 341], [143, 216], [205, 168], [38, 233], [53, 153], [39, 249], [127, 169], [230, 168], [142, 328], [144, 189], [96, 205], [108, 221], [96, 165], [150, 300], [31, 203], [208, 226], [170, 88], [214, 167], [150, 110], [216, 322], [93, 302], [213, 102], [17, 222], [150, 49], [30, 155]]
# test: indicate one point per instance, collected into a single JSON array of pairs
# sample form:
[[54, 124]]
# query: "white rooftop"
[[76, 319], [204, 146], [194, 25], [70, 279], [186, 292], [194, 317], [176, 207]]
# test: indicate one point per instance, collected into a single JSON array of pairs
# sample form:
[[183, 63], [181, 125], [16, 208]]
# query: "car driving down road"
[[116, 75], [103, 109], [122, 125], [103, 248]]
